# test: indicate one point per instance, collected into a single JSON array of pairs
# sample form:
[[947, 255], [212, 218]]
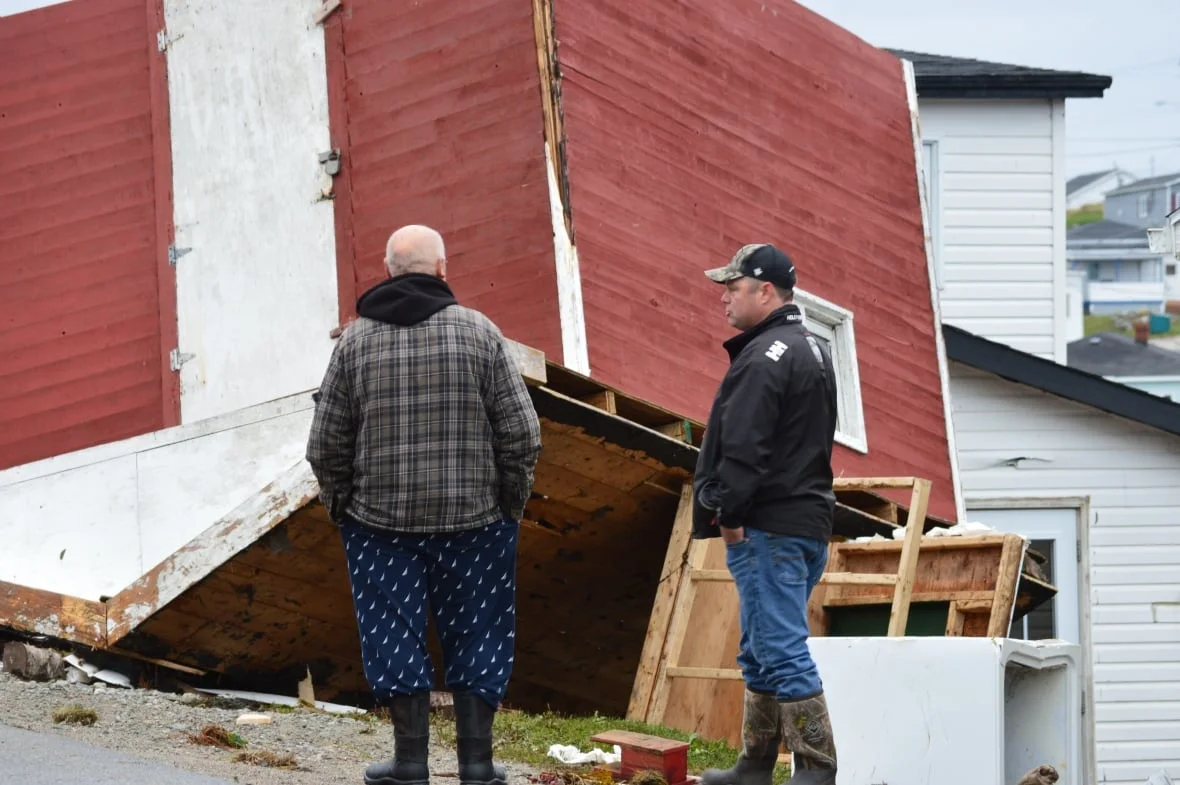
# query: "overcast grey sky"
[[1136, 42]]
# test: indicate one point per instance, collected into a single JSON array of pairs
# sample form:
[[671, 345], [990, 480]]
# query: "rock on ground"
[[330, 749]]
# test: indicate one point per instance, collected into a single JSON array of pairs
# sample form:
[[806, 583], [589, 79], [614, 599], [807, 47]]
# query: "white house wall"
[[256, 295], [87, 524], [1130, 474], [1001, 236]]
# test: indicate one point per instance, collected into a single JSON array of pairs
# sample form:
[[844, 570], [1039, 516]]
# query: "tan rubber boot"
[[761, 735], [807, 730]]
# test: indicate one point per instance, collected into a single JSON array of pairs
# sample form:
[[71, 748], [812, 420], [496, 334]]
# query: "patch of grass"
[[280, 708], [268, 759], [75, 714], [217, 736], [526, 738], [1086, 214]]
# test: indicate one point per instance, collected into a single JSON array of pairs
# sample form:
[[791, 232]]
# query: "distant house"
[[1123, 359], [1145, 202], [1092, 188], [994, 151], [1121, 272]]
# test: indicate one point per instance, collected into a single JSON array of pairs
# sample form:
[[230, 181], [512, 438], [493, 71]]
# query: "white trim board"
[[1060, 329], [911, 89], [575, 352]]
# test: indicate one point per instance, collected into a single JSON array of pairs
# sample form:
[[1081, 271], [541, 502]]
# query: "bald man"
[[424, 442]]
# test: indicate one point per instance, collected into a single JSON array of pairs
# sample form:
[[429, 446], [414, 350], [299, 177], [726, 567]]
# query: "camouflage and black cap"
[[757, 260]]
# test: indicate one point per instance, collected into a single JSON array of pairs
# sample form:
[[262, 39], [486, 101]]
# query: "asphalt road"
[[44, 759]]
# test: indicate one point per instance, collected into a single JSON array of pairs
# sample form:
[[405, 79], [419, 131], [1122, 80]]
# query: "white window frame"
[[835, 325], [934, 205]]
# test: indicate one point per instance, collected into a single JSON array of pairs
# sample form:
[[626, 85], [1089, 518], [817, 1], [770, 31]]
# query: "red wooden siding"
[[693, 128], [437, 111], [82, 350]]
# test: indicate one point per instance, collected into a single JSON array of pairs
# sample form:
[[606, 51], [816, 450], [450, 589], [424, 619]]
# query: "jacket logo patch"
[[776, 350]]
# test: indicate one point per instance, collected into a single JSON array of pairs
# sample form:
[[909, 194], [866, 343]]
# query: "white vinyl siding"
[[995, 181], [1130, 474]]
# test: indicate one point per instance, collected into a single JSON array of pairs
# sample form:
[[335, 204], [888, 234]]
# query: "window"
[[833, 325], [1146, 203], [1176, 199], [934, 204], [1170, 269]]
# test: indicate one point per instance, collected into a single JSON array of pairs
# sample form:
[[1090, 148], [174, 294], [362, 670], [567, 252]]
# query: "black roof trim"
[[1060, 380], [941, 76]]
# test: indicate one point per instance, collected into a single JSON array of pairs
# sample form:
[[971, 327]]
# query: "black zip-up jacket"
[[766, 458]]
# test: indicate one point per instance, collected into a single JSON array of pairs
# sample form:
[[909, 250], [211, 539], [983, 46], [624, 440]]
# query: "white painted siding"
[[1001, 241], [89, 523], [256, 296], [1131, 475]]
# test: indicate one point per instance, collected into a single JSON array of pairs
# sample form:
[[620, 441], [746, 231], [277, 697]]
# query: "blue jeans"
[[775, 574], [466, 581]]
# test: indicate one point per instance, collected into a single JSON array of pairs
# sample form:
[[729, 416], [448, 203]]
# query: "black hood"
[[406, 299]]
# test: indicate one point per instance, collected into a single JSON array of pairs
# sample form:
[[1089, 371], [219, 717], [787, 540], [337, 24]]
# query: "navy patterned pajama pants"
[[467, 580]]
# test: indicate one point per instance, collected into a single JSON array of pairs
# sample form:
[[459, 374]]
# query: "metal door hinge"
[[175, 253], [176, 358], [163, 40], [330, 160]]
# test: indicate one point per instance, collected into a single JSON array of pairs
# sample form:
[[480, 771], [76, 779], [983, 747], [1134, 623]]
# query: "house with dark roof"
[[1144, 202], [993, 139], [1130, 361], [1121, 273], [1087, 469], [1091, 188]]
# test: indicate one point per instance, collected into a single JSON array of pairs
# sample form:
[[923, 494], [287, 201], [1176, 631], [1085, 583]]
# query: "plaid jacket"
[[426, 428]]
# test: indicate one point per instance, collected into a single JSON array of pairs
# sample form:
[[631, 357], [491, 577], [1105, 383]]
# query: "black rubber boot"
[[761, 734], [411, 744], [808, 733], [473, 726]]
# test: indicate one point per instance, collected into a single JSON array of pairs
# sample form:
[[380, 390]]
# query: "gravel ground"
[[330, 750]]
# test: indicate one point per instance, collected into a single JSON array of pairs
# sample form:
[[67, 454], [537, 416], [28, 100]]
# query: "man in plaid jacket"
[[424, 442]]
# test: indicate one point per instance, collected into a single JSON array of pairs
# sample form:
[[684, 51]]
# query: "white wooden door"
[[1054, 533]]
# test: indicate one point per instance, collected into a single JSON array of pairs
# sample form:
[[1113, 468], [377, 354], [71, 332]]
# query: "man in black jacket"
[[764, 484]]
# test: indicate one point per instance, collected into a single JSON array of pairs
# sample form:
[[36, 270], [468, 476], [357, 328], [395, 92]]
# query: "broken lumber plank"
[[1011, 558], [52, 614], [908, 561], [666, 591], [31, 662], [870, 483], [687, 672], [710, 575], [858, 579]]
